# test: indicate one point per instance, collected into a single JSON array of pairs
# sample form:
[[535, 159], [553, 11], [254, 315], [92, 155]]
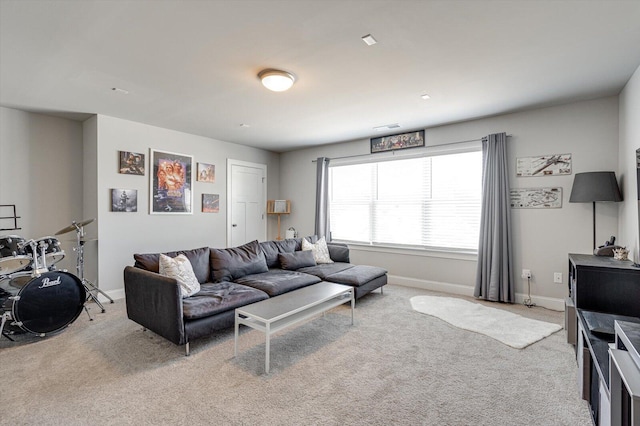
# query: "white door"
[[246, 189]]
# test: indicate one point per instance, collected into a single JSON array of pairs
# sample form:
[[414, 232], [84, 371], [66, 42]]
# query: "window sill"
[[444, 254]]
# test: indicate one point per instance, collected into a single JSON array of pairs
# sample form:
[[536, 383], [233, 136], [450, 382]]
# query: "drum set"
[[36, 297]]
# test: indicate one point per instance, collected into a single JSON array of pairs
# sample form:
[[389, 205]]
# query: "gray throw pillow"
[[296, 260], [233, 263]]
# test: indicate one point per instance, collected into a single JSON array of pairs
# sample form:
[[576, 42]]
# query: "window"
[[426, 202]]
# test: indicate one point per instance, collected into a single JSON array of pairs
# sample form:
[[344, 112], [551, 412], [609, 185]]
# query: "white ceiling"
[[192, 65]]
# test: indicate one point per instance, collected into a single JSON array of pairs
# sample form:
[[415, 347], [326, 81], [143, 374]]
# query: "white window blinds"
[[429, 202]]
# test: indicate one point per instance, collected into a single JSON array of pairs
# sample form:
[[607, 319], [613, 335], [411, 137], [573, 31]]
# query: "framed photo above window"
[[171, 180], [399, 141]]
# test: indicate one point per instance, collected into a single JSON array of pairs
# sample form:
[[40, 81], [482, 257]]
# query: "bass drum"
[[43, 304]]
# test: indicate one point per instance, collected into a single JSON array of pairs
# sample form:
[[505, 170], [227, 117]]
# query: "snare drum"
[[43, 304], [13, 256], [52, 250]]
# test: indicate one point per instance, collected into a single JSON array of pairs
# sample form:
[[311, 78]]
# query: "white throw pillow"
[[319, 249], [181, 270]]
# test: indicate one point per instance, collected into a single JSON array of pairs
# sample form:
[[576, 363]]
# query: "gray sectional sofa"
[[230, 278]]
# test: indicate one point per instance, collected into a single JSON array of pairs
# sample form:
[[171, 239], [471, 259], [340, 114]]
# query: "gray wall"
[[58, 170], [41, 173], [629, 143], [120, 235], [542, 238]]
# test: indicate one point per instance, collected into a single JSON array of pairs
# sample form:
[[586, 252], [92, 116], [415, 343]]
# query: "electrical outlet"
[[526, 273], [557, 277]]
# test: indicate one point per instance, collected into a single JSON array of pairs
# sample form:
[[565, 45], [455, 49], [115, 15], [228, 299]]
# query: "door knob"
[[234, 225]]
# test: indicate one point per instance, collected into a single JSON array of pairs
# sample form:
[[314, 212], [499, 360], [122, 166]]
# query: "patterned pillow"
[[319, 249], [181, 270]]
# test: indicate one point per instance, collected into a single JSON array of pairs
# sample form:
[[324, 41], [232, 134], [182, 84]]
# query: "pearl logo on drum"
[[46, 282]]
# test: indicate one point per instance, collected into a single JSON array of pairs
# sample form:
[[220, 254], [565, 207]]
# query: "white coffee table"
[[272, 315]]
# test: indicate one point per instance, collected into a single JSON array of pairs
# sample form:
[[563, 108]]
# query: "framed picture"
[[124, 200], [210, 203], [544, 165], [171, 179], [206, 173], [396, 142], [131, 163], [536, 198]]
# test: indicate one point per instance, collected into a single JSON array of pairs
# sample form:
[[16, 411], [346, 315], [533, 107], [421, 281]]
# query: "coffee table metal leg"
[[353, 304], [267, 348]]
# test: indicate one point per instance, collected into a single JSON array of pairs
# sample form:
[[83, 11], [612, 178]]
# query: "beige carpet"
[[506, 327], [394, 366]]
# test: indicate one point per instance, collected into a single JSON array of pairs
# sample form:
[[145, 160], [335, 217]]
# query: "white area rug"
[[506, 327]]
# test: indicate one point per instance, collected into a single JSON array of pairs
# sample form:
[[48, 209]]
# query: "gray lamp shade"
[[595, 186]]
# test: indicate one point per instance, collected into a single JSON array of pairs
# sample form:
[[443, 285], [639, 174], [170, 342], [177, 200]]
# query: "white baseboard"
[[463, 290], [114, 294]]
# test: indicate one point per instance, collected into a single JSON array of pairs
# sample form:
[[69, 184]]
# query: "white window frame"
[[449, 253]]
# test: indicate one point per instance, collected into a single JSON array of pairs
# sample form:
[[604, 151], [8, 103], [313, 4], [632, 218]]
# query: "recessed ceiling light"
[[386, 127], [276, 80], [425, 96], [369, 40], [121, 91]]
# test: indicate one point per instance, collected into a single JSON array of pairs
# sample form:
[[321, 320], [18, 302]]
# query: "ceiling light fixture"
[[425, 97], [369, 40], [276, 80]]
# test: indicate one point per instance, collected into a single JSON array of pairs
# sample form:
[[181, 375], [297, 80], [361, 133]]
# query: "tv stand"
[[605, 290]]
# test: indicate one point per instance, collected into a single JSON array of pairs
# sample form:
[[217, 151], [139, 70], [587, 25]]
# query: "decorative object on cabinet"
[[206, 173], [210, 203], [131, 163], [124, 200], [171, 190], [278, 207], [544, 165], [621, 253], [590, 187], [399, 141]]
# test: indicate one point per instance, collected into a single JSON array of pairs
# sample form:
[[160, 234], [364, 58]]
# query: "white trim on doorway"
[[263, 167]]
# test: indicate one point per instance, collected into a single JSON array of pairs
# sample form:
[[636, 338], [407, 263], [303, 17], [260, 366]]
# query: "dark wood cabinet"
[[603, 284], [602, 290]]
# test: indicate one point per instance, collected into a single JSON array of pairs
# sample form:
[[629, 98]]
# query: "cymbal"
[[73, 226]]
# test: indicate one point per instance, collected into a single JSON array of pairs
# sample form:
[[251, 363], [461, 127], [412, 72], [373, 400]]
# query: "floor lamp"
[[595, 186]]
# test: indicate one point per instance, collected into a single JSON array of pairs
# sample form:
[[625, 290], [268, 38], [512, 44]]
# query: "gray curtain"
[[494, 278], [322, 199]]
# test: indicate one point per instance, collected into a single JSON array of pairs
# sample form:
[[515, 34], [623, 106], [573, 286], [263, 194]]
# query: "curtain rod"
[[432, 146]]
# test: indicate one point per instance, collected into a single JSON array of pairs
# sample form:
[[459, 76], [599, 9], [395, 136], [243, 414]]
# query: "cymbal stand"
[[88, 285]]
